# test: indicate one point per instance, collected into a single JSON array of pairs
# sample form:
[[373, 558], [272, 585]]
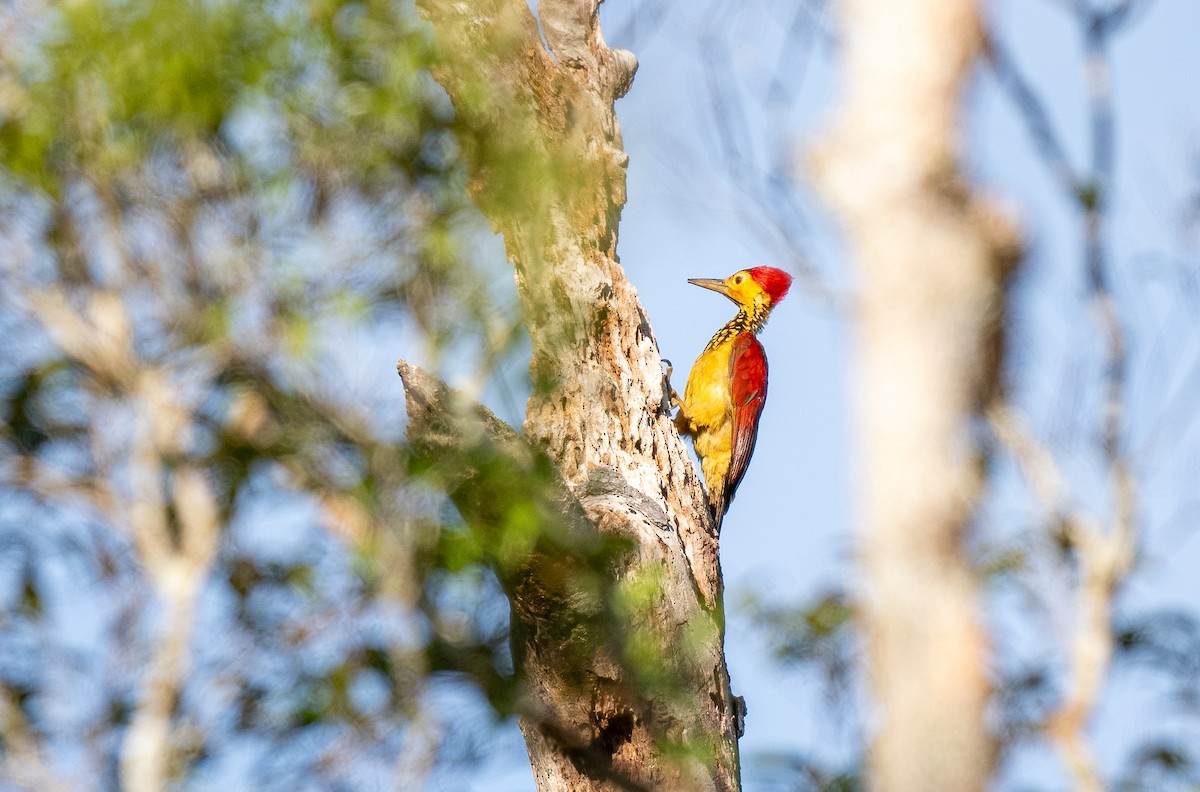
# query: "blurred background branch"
[[1102, 548]]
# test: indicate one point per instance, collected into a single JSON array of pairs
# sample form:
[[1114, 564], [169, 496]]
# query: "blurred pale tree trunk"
[[933, 264]]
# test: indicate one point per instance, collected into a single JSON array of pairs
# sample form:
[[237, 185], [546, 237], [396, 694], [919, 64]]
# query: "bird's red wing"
[[748, 370]]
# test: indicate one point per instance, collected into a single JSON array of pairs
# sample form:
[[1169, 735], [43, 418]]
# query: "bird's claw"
[[670, 396]]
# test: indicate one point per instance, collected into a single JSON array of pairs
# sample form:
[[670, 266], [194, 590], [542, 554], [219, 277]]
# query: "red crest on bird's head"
[[775, 282]]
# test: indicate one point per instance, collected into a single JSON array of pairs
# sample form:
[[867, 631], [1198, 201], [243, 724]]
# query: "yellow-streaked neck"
[[750, 319]]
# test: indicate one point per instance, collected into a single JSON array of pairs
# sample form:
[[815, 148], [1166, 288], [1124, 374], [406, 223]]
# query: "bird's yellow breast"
[[706, 413], [707, 398]]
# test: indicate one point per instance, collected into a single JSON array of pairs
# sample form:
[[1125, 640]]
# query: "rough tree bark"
[[933, 262], [546, 167]]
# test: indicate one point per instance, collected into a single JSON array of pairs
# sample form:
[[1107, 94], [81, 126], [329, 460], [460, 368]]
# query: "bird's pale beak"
[[712, 284]]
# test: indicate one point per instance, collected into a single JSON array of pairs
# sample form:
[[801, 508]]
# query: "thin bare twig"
[[1104, 550], [757, 171], [1037, 119], [1104, 559], [1102, 562], [1036, 461]]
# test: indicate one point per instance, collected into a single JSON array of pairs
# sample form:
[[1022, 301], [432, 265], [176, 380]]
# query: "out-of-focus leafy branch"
[[204, 246], [559, 573]]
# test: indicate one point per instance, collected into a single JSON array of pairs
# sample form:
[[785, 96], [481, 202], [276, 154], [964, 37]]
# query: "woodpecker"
[[727, 386]]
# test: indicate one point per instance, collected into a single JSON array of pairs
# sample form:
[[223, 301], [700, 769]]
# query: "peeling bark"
[[546, 167]]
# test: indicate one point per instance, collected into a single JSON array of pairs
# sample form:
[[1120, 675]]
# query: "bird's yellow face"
[[739, 287]]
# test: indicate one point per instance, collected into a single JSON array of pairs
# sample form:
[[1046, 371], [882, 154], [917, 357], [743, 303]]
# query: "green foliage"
[[819, 638], [256, 207], [819, 632], [1161, 767], [805, 774], [1024, 697], [110, 79], [1167, 641]]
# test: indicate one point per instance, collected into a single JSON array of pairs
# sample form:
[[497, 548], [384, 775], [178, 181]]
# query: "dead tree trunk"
[[546, 167], [933, 263]]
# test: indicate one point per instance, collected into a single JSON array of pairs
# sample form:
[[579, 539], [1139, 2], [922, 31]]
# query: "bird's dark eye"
[[739, 279]]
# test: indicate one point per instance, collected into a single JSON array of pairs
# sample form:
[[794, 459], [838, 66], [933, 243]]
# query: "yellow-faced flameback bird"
[[727, 387]]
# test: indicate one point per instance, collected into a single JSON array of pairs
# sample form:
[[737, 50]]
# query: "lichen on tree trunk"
[[546, 167]]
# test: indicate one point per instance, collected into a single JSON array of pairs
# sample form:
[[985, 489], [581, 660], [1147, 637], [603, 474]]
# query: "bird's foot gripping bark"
[[672, 399], [671, 396]]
